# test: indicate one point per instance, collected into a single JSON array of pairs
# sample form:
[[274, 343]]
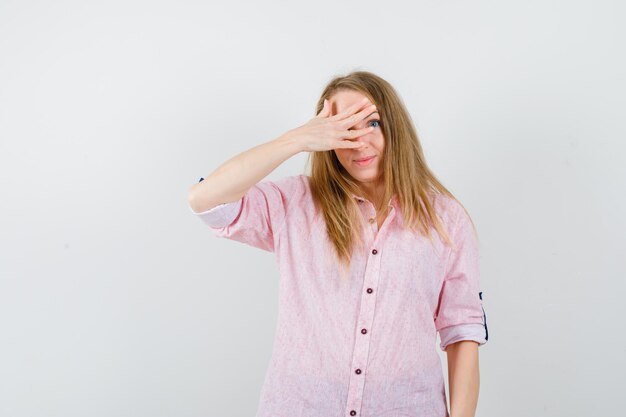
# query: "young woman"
[[375, 257]]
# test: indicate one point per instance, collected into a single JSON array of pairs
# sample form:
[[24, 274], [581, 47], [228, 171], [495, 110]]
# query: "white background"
[[116, 301]]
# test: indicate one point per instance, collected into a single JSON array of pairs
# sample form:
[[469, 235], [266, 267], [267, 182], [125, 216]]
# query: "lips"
[[365, 162]]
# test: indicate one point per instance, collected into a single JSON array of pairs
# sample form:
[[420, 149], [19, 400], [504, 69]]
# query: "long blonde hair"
[[405, 171]]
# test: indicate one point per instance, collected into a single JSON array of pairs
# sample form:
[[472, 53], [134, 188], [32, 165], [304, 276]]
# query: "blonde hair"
[[405, 172]]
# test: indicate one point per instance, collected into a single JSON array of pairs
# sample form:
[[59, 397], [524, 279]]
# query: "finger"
[[350, 110], [351, 134], [347, 144], [356, 118]]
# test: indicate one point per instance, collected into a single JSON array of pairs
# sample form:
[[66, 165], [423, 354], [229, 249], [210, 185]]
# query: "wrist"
[[290, 140]]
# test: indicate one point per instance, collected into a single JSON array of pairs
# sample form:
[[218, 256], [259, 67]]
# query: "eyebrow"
[[372, 114]]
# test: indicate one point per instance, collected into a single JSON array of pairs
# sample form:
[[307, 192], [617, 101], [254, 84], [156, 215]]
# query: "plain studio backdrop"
[[116, 301]]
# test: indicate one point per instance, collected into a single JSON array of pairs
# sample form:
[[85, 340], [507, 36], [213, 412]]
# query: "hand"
[[324, 132]]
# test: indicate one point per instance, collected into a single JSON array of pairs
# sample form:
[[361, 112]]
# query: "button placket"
[[365, 318], [373, 230], [360, 353]]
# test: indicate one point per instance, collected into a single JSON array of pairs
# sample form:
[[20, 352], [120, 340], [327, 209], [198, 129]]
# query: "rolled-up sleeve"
[[460, 313], [221, 215], [257, 217]]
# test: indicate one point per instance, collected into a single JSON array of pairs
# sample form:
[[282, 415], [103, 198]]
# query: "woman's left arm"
[[463, 378]]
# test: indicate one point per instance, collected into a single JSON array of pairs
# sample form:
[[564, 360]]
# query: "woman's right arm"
[[230, 181]]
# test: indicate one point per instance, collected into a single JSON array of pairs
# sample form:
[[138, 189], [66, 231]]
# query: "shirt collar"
[[393, 202]]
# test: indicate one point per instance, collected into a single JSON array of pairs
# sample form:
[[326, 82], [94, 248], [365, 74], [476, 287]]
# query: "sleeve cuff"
[[456, 333], [221, 215]]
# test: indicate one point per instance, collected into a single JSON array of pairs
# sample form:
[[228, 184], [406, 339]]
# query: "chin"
[[363, 177]]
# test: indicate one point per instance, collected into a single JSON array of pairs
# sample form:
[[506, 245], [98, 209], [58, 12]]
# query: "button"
[[363, 331], [358, 371], [352, 413], [374, 251], [372, 220], [369, 290]]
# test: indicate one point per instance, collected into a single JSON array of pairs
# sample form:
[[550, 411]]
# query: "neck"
[[374, 192]]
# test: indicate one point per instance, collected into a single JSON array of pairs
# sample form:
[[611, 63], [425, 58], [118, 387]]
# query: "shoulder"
[[450, 211], [448, 208], [286, 190], [298, 181], [289, 185]]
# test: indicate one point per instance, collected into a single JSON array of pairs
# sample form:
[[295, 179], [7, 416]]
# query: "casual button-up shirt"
[[366, 345]]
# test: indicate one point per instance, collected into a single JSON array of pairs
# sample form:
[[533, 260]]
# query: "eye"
[[375, 121]]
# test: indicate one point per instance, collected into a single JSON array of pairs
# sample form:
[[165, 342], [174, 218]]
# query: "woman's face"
[[374, 143]]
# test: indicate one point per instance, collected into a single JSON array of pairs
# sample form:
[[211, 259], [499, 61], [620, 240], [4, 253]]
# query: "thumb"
[[325, 109]]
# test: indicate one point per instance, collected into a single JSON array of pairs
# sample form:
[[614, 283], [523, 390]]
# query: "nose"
[[362, 140]]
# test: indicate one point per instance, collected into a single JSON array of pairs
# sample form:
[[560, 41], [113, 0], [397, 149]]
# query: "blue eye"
[[375, 121]]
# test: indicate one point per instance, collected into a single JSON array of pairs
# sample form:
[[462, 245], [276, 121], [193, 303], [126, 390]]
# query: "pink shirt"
[[365, 346]]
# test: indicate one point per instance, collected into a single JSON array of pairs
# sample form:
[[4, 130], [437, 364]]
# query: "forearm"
[[463, 378], [231, 180]]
